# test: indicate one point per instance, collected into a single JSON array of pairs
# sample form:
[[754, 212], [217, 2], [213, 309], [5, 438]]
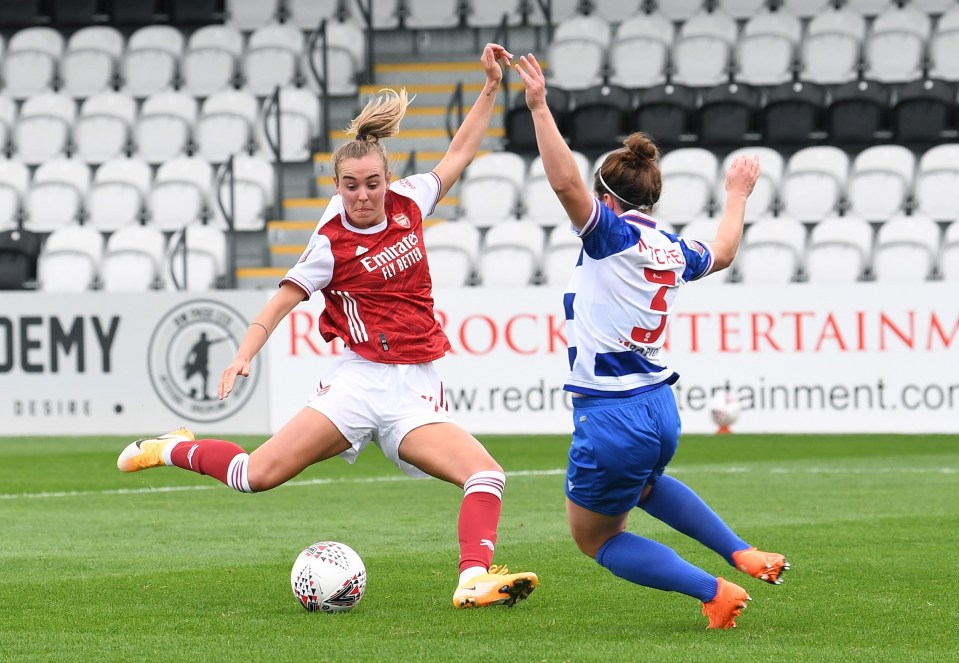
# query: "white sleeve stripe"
[[592, 220], [439, 187], [357, 328]]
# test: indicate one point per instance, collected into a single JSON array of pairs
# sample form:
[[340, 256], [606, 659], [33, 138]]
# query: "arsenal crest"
[[401, 220]]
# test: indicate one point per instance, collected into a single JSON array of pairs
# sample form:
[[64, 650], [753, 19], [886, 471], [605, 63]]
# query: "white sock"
[[471, 572]]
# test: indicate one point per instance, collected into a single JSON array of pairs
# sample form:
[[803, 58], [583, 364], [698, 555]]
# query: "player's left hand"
[[493, 56], [532, 74]]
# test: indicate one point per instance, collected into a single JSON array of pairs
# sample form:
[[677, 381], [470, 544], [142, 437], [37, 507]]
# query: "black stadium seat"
[[665, 112], [520, 135], [19, 251], [856, 113], [792, 114], [597, 118], [727, 115], [923, 112]]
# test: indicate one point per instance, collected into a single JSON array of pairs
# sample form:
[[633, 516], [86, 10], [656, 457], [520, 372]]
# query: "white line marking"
[[697, 469]]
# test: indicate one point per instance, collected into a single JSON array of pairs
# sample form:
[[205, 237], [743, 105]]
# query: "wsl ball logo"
[[189, 348]]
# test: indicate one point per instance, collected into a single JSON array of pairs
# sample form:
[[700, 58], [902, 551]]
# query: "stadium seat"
[[869, 8], [210, 63], [453, 249], [19, 252], [248, 15], [511, 255], [164, 129], [91, 61], [490, 13], [840, 250], [937, 183], [766, 52], [134, 259], [29, 65], [430, 14], [856, 113], [949, 253], [805, 8], [520, 134], [577, 54], [43, 129], [14, 183], [119, 193], [180, 193], [299, 124], [151, 61], [649, 34], [772, 251], [880, 182], [346, 52], [104, 128], [203, 249], [597, 119], [727, 114], [539, 199], [253, 192], [689, 178], [562, 10], [562, 253], [490, 188], [895, 49], [907, 249], [944, 47], [703, 229], [702, 52], [307, 14], [923, 112], [792, 113], [762, 201], [815, 182], [933, 7], [831, 49], [617, 11], [741, 9], [57, 195], [270, 58], [680, 10], [70, 259], [666, 113], [226, 125]]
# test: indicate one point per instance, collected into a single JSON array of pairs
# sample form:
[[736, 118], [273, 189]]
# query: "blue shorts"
[[620, 445]]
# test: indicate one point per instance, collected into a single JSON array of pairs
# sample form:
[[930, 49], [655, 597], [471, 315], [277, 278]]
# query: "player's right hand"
[[237, 367], [742, 176], [532, 74]]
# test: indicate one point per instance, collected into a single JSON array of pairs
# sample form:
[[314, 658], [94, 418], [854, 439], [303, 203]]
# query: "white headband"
[[613, 193]]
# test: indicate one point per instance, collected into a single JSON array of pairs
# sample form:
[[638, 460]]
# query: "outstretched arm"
[[470, 135], [740, 180], [561, 169]]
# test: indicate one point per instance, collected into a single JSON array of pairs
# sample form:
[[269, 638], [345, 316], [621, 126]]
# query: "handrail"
[[410, 167], [321, 81], [457, 101], [224, 170], [367, 14], [547, 7], [271, 102], [179, 246], [501, 37]]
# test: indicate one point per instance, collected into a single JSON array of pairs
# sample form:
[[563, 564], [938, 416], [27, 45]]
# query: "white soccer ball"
[[725, 408], [328, 577]]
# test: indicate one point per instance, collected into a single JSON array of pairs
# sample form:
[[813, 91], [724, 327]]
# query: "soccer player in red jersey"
[[368, 260]]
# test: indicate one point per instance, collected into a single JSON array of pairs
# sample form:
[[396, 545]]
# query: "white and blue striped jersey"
[[619, 299]]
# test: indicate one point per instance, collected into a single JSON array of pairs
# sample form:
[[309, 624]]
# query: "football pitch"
[[166, 565]]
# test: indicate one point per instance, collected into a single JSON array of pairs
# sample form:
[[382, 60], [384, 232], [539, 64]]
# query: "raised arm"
[[561, 169], [740, 180], [470, 135]]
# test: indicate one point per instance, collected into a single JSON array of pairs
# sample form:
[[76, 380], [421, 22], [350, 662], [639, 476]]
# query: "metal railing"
[[501, 37], [226, 170], [455, 103], [321, 77], [367, 14], [271, 105]]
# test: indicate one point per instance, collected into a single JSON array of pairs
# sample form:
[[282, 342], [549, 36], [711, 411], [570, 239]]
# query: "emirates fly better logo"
[[190, 346]]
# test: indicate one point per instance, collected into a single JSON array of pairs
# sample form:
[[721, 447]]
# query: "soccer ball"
[[725, 409], [328, 577]]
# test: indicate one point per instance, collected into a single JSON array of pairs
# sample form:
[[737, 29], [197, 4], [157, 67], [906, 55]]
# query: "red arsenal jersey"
[[376, 281]]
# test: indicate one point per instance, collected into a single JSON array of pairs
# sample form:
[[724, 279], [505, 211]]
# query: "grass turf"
[[170, 566]]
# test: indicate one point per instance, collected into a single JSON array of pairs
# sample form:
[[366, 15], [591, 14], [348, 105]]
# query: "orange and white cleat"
[[727, 606], [148, 452], [496, 587], [766, 566]]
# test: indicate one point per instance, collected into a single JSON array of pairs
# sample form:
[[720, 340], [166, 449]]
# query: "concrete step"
[[260, 278], [289, 232]]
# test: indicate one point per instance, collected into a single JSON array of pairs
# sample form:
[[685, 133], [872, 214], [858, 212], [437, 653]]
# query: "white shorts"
[[380, 402]]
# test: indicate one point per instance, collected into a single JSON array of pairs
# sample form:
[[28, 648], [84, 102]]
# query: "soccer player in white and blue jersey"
[[626, 423]]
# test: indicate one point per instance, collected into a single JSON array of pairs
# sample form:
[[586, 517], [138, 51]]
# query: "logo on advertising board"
[[191, 344]]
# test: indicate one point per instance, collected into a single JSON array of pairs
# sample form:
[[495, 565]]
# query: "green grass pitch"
[[166, 565]]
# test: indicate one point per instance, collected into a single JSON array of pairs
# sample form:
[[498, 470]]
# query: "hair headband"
[[613, 193]]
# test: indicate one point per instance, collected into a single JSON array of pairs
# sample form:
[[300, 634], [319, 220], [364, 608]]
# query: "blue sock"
[[678, 506], [651, 564]]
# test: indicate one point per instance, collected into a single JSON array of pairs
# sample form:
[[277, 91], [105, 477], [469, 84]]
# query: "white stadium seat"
[[250, 14], [840, 250], [701, 54], [119, 193], [649, 34], [210, 63], [539, 199], [831, 49], [577, 54], [766, 52], [562, 252], [103, 130], [689, 177], [151, 60], [14, 183], [880, 181], [270, 58], [490, 13], [253, 191], [180, 193], [907, 249], [704, 229], [44, 127], [491, 185], [346, 50], [134, 259], [511, 255], [453, 251], [937, 182], [869, 7], [165, 126], [205, 252], [226, 125], [425, 14], [70, 259], [944, 46], [896, 46], [29, 66], [805, 8], [91, 60], [949, 253], [680, 10], [772, 251], [57, 194], [299, 123], [762, 201], [815, 182], [307, 14]]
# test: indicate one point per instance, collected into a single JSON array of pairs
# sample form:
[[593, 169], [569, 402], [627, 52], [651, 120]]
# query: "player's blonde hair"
[[380, 118], [631, 174]]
